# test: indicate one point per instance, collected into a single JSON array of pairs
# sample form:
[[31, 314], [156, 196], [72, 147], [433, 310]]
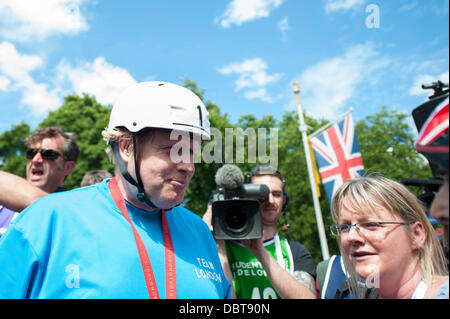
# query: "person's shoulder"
[[75, 194], [303, 260], [186, 213], [297, 246], [189, 217], [62, 210], [443, 291], [86, 191], [61, 202]]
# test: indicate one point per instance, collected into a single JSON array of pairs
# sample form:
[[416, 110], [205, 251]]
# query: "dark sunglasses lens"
[[45, 153], [49, 154], [31, 152]]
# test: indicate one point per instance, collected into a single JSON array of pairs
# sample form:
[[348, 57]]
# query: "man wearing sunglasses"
[[51, 155]]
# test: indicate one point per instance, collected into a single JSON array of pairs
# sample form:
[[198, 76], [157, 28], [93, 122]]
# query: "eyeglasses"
[[366, 227], [46, 153]]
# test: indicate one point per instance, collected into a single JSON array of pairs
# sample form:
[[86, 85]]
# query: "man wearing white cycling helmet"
[[174, 110], [128, 236]]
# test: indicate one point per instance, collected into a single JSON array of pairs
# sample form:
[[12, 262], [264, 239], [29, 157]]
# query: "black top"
[[302, 258]]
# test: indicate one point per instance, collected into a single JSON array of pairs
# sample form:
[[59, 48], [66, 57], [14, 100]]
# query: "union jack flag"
[[337, 155], [434, 127]]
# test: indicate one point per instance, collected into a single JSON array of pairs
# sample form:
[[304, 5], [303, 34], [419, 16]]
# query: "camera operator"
[[271, 266]]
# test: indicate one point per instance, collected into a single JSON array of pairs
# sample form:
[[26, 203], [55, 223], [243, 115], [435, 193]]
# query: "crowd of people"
[[127, 235]]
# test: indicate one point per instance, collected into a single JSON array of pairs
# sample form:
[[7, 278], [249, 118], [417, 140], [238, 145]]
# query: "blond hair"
[[112, 136], [364, 194]]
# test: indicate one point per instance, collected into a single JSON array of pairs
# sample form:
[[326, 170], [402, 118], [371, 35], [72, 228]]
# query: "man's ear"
[[125, 149], [68, 167]]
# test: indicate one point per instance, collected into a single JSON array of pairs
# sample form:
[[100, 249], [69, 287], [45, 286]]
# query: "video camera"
[[236, 212]]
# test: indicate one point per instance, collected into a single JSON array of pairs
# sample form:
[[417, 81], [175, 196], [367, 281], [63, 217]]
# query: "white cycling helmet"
[[160, 105]]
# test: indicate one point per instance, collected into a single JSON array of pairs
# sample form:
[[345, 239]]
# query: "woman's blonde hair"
[[365, 194]]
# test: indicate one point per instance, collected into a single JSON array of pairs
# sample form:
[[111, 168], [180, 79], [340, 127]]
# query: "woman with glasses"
[[387, 242]]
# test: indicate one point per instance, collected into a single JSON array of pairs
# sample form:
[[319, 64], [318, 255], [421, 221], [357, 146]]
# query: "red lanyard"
[[169, 254]]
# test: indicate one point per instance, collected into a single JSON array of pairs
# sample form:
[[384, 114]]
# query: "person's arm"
[[287, 286], [16, 193]]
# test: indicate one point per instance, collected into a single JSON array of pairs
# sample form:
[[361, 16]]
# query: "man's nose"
[[271, 198], [36, 158]]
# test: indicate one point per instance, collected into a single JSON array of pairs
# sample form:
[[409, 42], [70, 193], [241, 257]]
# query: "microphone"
[[229, 176]]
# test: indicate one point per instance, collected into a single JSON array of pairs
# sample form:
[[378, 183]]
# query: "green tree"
[[12, 149], [386, 143]]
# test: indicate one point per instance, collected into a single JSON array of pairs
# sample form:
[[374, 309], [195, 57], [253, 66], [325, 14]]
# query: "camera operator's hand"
[[255, 246], [286, 285]]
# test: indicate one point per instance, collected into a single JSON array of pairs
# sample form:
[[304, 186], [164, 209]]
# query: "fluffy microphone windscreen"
[[229, 176]]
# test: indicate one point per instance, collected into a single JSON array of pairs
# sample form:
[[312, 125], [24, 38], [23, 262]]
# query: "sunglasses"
[[46, 153]]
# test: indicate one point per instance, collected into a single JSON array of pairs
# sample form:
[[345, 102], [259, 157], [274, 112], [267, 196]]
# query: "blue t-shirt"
[[77, 244]]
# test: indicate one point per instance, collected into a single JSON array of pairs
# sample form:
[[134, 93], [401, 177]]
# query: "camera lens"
[[236, 220]]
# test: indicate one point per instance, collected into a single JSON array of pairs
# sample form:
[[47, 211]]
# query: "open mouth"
[[37, 172]]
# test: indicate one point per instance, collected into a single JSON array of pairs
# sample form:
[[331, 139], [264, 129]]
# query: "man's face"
[[165, 181], [47, 174], [272, 207]]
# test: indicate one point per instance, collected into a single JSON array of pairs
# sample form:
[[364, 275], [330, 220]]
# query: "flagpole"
[[319, 220], [328, 125]]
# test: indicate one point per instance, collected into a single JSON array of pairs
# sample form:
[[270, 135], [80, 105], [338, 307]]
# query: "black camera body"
[[236, 213]]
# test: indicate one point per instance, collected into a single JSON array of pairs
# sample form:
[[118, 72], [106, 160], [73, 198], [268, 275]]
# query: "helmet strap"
[[124, 171], [140, 186]]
